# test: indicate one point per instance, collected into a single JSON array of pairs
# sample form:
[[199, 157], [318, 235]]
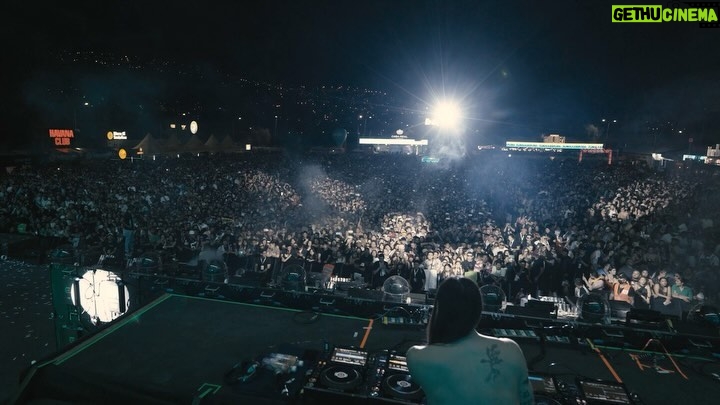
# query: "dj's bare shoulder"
[[517, 368]]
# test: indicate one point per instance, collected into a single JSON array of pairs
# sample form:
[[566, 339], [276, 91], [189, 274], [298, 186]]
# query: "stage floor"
[[178, 347], [172, 347]]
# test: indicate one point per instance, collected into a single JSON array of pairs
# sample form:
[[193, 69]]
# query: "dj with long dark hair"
[[461, 366]]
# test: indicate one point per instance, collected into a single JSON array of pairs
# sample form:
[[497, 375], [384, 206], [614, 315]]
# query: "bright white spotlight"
[[447, 114], [101, 295]]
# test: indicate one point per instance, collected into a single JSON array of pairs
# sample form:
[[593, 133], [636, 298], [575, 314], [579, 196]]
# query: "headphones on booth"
[[242, 372]]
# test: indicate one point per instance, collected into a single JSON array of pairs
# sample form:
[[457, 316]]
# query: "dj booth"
[[189, 342]]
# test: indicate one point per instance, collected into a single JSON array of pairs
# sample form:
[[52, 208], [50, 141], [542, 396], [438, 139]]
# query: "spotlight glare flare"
[[447, 114]]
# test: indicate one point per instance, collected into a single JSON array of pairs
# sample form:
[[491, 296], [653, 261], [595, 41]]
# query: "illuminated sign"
[[62, 136], [122, 154], [116, 135], [551, 145], [392, 141]]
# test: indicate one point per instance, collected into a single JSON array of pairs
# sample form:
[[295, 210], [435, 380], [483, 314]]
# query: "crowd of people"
[[533, 226]]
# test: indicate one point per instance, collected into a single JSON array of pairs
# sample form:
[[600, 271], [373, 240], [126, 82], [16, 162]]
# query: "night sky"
[[520, 67]]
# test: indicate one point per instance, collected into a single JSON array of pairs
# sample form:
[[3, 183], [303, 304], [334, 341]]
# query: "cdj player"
[[339, 375], [545, 390], [389, 380], [603, 392], [351, 376], [344, 371], [550, 390]]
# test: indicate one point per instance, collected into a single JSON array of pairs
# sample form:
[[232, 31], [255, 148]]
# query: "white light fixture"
[[101, 294]]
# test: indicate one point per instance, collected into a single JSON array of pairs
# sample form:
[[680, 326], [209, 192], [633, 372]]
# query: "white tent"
[[195, 144], [149, 144], [228, 145], [213, 144]]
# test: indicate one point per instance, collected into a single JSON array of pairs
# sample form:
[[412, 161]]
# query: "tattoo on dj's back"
[[493, 359]]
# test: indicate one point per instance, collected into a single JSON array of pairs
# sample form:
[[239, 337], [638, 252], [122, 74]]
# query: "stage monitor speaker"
[[701, 320], [693, 328], [619, 309], [548, 307], [148, 263], [293, 278], [185, 255], [234, 262], [248, 279], [417, 298], [493, 298], [645, 317], [594, 308], [62, 255], [345, 270], [705, 314], [214, 271], [430, 296], [528, 312], [365, 294]]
